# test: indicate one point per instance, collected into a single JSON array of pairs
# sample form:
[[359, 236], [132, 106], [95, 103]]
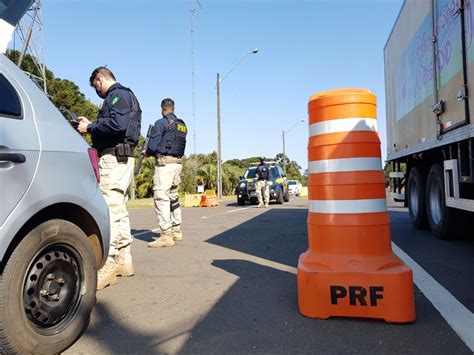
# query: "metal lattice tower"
[[193, 13], [29, 34]]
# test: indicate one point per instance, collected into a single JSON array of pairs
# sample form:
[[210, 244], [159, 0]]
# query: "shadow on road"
[[450, 262], [259, 314], [278, 235], [145, 235], [116, 337]]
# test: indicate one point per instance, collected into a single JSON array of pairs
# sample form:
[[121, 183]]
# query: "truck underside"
[[438, 188]]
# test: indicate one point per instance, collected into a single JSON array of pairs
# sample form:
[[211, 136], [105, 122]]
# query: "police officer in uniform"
[[263, 183], [114, 135], [167, 145]]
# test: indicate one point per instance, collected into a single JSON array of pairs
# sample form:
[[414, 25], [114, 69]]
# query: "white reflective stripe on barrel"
[[343, 125], [348, 206], [346, 164]]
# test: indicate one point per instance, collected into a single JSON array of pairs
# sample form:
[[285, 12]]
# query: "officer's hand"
[[83, 123], [83, 119]]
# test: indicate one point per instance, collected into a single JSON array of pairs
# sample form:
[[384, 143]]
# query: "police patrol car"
[[246, 191]]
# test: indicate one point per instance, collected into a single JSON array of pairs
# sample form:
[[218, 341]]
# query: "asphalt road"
[[230, 287]]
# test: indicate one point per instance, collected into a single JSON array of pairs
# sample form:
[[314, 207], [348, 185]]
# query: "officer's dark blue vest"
[[132, 133], [263, 172], [174, 139], [134, 125]]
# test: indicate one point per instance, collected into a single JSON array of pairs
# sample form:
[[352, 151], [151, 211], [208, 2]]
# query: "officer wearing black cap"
[[115, 134], [263, 183], [167, 145]]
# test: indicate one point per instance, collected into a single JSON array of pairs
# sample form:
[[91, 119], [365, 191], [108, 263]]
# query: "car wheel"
[[286, 196], [240, 201], [279, 199], [416, 198], [47, 290]]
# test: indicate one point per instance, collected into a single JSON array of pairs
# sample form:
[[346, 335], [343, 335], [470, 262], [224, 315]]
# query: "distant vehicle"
[[54, 222], [294, 187], [429, 76], [246, 191]]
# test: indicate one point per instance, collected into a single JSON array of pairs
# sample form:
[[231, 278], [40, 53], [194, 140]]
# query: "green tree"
[[144, 180], [292, 167], [208, 175], [230, 177], [64, 94]]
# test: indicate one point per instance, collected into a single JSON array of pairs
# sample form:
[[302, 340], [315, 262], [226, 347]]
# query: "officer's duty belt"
[[111, 151]]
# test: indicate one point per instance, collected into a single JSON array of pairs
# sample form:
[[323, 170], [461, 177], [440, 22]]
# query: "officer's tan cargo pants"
[[265, 185], [165, 187], [115, 178]]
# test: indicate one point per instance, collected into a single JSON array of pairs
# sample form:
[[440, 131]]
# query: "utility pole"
[[283, 133], [284, 155], [219, 154]]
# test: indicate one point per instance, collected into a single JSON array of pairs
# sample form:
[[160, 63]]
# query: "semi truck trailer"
[[429, 75]]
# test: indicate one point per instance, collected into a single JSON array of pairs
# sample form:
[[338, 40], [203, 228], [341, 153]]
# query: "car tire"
[[47, 290], [240, 201], [443, 220], [286, 196], [416, 198], [279, 198]]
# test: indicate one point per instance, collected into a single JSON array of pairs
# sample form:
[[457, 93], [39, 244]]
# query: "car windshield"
[[250, 173], [291, 182]]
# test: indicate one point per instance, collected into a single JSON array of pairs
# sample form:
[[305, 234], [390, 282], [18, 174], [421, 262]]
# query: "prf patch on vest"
[[115, 100], [181, 128]]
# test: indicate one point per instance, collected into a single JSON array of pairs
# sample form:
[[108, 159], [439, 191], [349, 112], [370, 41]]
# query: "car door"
[[19, 143]]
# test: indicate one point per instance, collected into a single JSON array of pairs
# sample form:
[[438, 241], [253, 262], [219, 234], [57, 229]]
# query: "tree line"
[[198, 169]]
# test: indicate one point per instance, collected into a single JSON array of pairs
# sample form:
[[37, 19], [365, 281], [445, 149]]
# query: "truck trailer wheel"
[[441, 219], [47, 290], [416, 198]]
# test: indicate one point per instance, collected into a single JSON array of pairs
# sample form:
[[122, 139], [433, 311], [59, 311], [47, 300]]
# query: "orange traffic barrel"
[[349, 269]]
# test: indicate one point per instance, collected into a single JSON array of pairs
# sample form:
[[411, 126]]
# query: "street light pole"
[[284, 155], [219, 152], [283, 133]]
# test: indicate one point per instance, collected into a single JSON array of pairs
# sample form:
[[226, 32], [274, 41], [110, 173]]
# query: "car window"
[[9, 101], [250, 173], [274, 172], [291, 182], [12, 11]]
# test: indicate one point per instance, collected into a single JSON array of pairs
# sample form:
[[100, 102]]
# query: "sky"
[[305, 47]]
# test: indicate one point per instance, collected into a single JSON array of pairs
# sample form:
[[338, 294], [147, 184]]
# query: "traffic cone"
[[349, 269]]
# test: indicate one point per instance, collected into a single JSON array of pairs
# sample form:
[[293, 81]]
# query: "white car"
[[294, 186], [54, 221]]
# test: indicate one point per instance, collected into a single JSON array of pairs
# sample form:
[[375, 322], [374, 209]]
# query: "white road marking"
[[241, 209], [454, 312]]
